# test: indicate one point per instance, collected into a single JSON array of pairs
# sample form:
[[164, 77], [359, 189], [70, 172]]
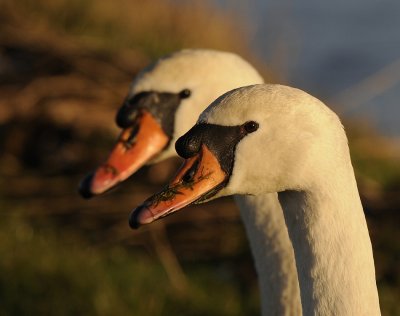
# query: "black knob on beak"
[[126, 116], [188, 146]]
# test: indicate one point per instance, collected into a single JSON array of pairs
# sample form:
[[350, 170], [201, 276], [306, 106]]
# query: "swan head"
[[252, 140], [163, 102]]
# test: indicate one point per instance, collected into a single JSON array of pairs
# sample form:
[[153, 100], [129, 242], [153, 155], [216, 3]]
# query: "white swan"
[[274, 138], [161, 95]]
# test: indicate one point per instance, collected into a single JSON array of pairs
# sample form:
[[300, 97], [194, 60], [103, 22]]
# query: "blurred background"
[[65, 68]]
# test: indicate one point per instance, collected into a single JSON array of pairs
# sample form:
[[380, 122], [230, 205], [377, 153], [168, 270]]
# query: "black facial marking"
[[220, 140], [162, 105], [126, 116]]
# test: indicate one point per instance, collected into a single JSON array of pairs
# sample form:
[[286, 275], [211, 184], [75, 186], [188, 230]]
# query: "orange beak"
[[136, 145], [199, 178]]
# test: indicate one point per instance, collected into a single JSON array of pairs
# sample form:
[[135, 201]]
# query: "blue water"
[[328, 47]]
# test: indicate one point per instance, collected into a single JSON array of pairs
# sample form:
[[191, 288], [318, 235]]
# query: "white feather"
[[300, 150]]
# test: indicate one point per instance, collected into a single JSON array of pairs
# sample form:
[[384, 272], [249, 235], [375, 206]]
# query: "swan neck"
[[273, 254], [332, 248]]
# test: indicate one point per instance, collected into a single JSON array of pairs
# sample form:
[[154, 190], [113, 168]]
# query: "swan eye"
[[251, 126], [185, 93]]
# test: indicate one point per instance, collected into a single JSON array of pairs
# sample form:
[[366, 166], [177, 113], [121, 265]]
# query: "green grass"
[[48, 272]]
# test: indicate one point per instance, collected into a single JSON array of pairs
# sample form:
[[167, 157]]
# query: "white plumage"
[[300, 150]]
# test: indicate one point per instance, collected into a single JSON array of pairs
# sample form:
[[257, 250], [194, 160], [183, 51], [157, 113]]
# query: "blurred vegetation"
[[65, 67], [151, 27], [48, 272]]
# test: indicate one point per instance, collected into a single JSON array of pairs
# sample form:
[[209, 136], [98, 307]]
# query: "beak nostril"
[[189, 175], [132, 136]]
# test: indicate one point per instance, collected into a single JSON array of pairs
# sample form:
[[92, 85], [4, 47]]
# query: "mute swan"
[[272, 138], [165, 100]]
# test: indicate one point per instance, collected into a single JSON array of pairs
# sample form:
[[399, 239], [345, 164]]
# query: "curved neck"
[[272, 252], [332, 248]]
